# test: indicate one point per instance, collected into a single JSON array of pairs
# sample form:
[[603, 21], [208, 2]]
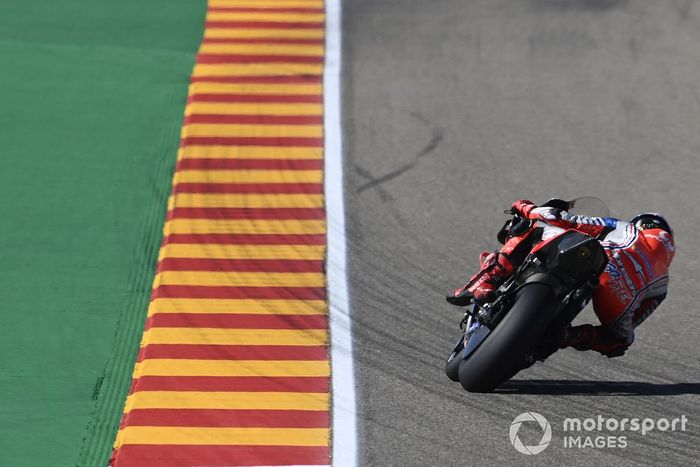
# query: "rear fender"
[[572, 257]]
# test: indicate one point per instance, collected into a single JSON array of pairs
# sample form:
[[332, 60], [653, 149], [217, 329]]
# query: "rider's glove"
[[545, 214], [523, 207], [528, 210]]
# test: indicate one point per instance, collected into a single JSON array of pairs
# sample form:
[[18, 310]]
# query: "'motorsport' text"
[[602, 432]]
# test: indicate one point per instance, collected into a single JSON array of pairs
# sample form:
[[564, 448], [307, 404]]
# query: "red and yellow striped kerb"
[[233, 367]]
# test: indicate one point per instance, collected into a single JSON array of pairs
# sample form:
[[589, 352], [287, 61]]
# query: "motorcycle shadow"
[[596, 388]]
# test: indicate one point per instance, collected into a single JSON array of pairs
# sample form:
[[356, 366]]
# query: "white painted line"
[[344, 442]]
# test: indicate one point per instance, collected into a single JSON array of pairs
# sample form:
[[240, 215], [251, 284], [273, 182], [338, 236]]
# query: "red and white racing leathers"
[[633, 284]]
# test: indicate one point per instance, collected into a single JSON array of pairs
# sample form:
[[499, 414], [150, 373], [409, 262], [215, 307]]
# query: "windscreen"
[[589, 206]]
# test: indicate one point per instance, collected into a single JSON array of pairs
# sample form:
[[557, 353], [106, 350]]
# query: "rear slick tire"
[[501, 355]]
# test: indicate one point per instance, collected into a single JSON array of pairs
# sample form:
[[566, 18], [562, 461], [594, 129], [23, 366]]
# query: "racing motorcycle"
[[544, 295]]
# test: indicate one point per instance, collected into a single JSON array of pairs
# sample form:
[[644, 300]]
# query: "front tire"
[[452, 365], [500, 356]]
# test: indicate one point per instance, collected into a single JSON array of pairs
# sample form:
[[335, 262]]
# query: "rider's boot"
[[598, 338], [495, 269], [579, 337]]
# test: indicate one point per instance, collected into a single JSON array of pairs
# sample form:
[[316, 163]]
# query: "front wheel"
[[500, 356], [452, 365]]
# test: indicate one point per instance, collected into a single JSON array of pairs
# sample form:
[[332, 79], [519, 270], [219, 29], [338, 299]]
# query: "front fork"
[[474, 332]]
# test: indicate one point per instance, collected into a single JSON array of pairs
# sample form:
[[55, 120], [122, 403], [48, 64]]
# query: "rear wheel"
[[501, 355]]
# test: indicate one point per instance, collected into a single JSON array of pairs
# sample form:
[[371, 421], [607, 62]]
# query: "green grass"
[[91, 101]]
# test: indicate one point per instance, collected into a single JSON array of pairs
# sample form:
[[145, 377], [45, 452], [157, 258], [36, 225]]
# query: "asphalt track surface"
[[453, 109]]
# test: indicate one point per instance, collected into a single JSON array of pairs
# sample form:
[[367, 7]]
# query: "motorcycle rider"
[[632, 286]]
